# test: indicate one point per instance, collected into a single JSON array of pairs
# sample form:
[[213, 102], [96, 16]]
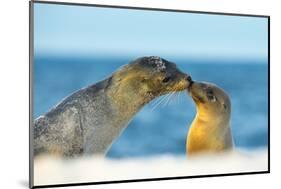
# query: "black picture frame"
[[31, 57]]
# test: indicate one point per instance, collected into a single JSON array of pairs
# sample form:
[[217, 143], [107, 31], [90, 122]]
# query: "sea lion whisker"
[[181, 96], [162, 100], [156, 100], [177, 97], [174, 97], [168, 99], [171, 98]]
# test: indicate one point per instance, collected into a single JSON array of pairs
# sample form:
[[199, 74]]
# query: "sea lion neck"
[[209, 114], [203, 114], [209, 121], [127, 96]]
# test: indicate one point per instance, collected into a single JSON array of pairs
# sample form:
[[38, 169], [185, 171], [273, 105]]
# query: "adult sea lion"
[[88, 121], [210, 130]]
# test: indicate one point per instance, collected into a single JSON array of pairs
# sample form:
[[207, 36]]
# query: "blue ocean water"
[[163, 129]]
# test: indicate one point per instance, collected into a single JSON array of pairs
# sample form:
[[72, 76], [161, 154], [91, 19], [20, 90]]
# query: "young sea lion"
[[88, 121], [210, 130]]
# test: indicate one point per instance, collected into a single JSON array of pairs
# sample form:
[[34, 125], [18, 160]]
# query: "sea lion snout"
[[190, 81], [183, 80], [197, 91], [188, 78]]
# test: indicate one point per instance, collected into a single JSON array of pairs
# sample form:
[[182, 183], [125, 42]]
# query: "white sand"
[[50, 170]]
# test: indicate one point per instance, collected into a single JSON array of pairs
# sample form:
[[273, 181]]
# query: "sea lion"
[[210, 130], [88, 121]]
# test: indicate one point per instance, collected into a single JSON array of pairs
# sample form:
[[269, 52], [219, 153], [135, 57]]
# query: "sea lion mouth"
[[189, 80], [190, 85], [194, 95]]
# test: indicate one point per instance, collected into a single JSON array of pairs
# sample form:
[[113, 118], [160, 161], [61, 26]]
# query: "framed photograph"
[[126, 94]]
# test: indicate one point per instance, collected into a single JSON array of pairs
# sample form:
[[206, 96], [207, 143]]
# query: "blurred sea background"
[[75, 46]]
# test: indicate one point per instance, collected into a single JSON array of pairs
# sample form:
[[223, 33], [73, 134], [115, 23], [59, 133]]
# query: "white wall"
[[14, 91]]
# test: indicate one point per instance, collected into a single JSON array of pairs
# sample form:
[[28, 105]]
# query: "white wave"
[[51, 170]]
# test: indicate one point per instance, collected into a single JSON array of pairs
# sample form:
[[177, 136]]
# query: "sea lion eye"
[[166, 79], [211, 96]]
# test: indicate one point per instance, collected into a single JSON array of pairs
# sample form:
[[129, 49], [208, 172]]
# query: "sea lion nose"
[[188, 78]]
